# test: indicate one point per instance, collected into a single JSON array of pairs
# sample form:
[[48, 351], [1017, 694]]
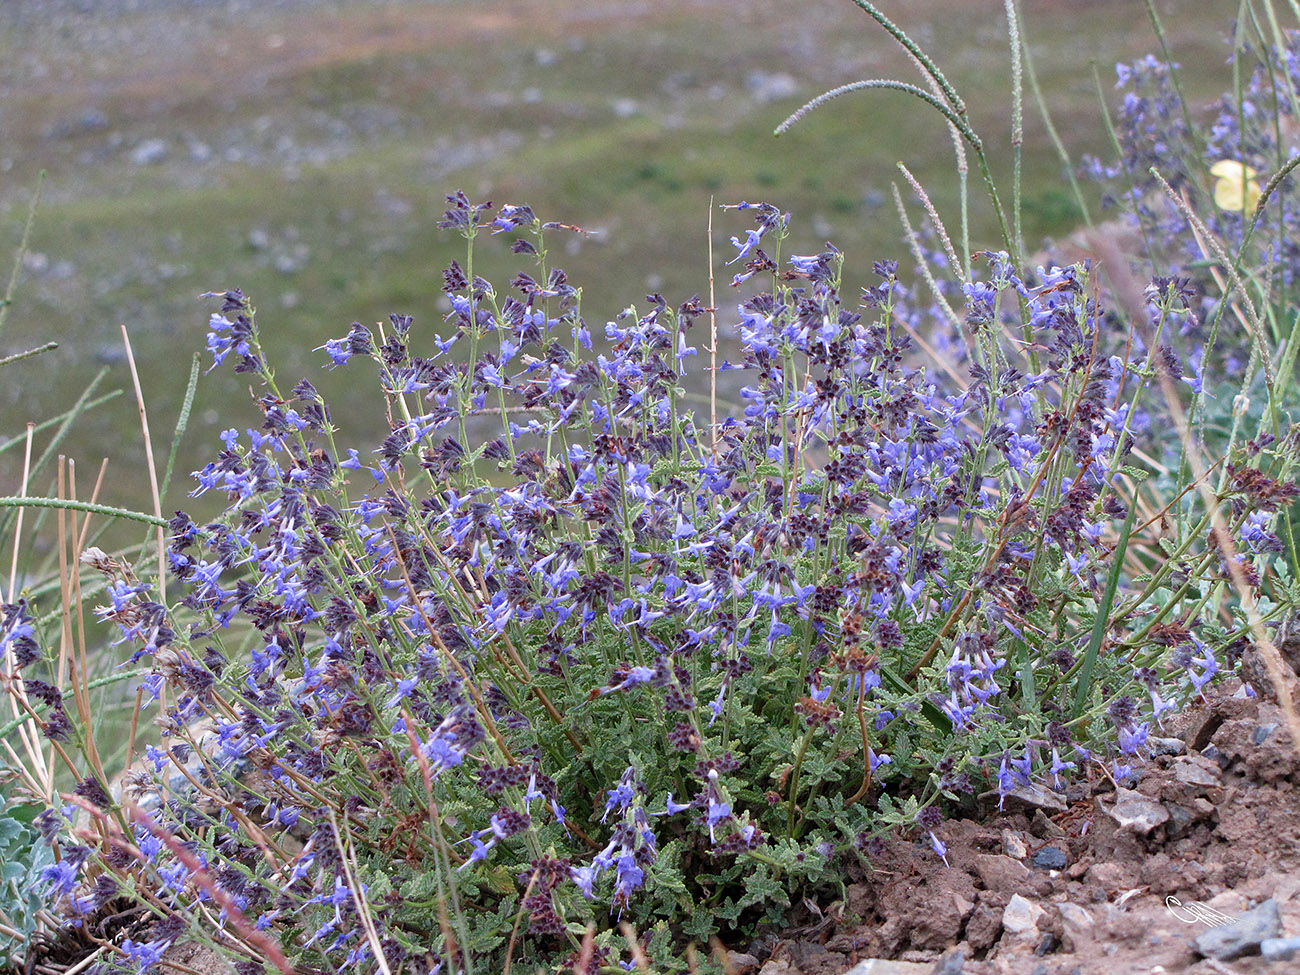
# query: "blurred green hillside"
[[301, 151]]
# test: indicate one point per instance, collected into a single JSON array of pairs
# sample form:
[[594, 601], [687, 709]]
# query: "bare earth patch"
[[1119, 881]]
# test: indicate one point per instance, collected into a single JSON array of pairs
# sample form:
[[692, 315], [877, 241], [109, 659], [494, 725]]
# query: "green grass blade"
[[182, 422], [94, 509], [1099, 624]]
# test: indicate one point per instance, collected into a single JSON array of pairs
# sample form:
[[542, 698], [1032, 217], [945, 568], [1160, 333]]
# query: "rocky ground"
[[1194, 870]]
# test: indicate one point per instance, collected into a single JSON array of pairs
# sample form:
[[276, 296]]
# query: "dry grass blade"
[[149, 464], [1273, 663]]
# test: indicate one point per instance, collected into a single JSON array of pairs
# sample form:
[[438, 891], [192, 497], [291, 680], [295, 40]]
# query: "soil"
[[1110, 880]]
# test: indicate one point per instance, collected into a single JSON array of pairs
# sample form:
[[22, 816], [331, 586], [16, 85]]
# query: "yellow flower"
[[1236, 188]]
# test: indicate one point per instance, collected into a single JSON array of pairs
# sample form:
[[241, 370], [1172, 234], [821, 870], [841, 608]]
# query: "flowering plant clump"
[[465, 696], [1195, 188], [558, 656]]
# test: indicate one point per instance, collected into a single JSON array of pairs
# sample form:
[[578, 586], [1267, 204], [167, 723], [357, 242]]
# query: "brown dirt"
[[1228, 839]]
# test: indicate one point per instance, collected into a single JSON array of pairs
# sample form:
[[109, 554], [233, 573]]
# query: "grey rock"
[[1134, 811], [1279, 949], [1180, 818], [1020, 917], [999, 872], [951, 963], [1261, 733], [1074, 916], [881, 966], [766, 86], [741, 963], [150, 152], [1050, 858], [1013, 846], [1194, 774], [1022, 796], [1244, 936], [1166, 746], [1043, 827]]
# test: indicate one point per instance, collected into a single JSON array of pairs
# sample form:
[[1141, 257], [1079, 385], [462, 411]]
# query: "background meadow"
[[301, 150]]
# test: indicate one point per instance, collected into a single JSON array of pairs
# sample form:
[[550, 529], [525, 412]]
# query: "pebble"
[[1000, 872], [1212, 752], [1261, 733], [150, 152], [1021, 916], [741, 963], [1075, 916], [1013, 846], [951, 963], [1050, 858], [1044, 828], [1022, 795], [1279, 949], [881, 966], [1134, 811], [1166, 746], [1242, 936], [1192, 774]]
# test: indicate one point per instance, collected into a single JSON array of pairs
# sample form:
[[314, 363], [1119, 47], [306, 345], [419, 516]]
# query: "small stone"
[[1050, 858], [1279, 949], [961, 906], [1027, 795], [1044, 828], [626, 107], [1244, 936], [983, 926], [150, 152], [951, 963], [1134, 811], [1020, 917], [1075, 916], [1261, 733], [1194, 774], [881, 966], [1166, 746], [1180, 818], [740, 963], [999, 872], [1013, 846], [767, 86]]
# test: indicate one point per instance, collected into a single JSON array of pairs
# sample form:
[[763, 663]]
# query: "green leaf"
[[500, 880], [1136, 473]]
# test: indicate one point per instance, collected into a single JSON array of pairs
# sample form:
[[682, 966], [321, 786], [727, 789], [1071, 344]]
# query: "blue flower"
[[752, 238], [940, 848], [61, 877]]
